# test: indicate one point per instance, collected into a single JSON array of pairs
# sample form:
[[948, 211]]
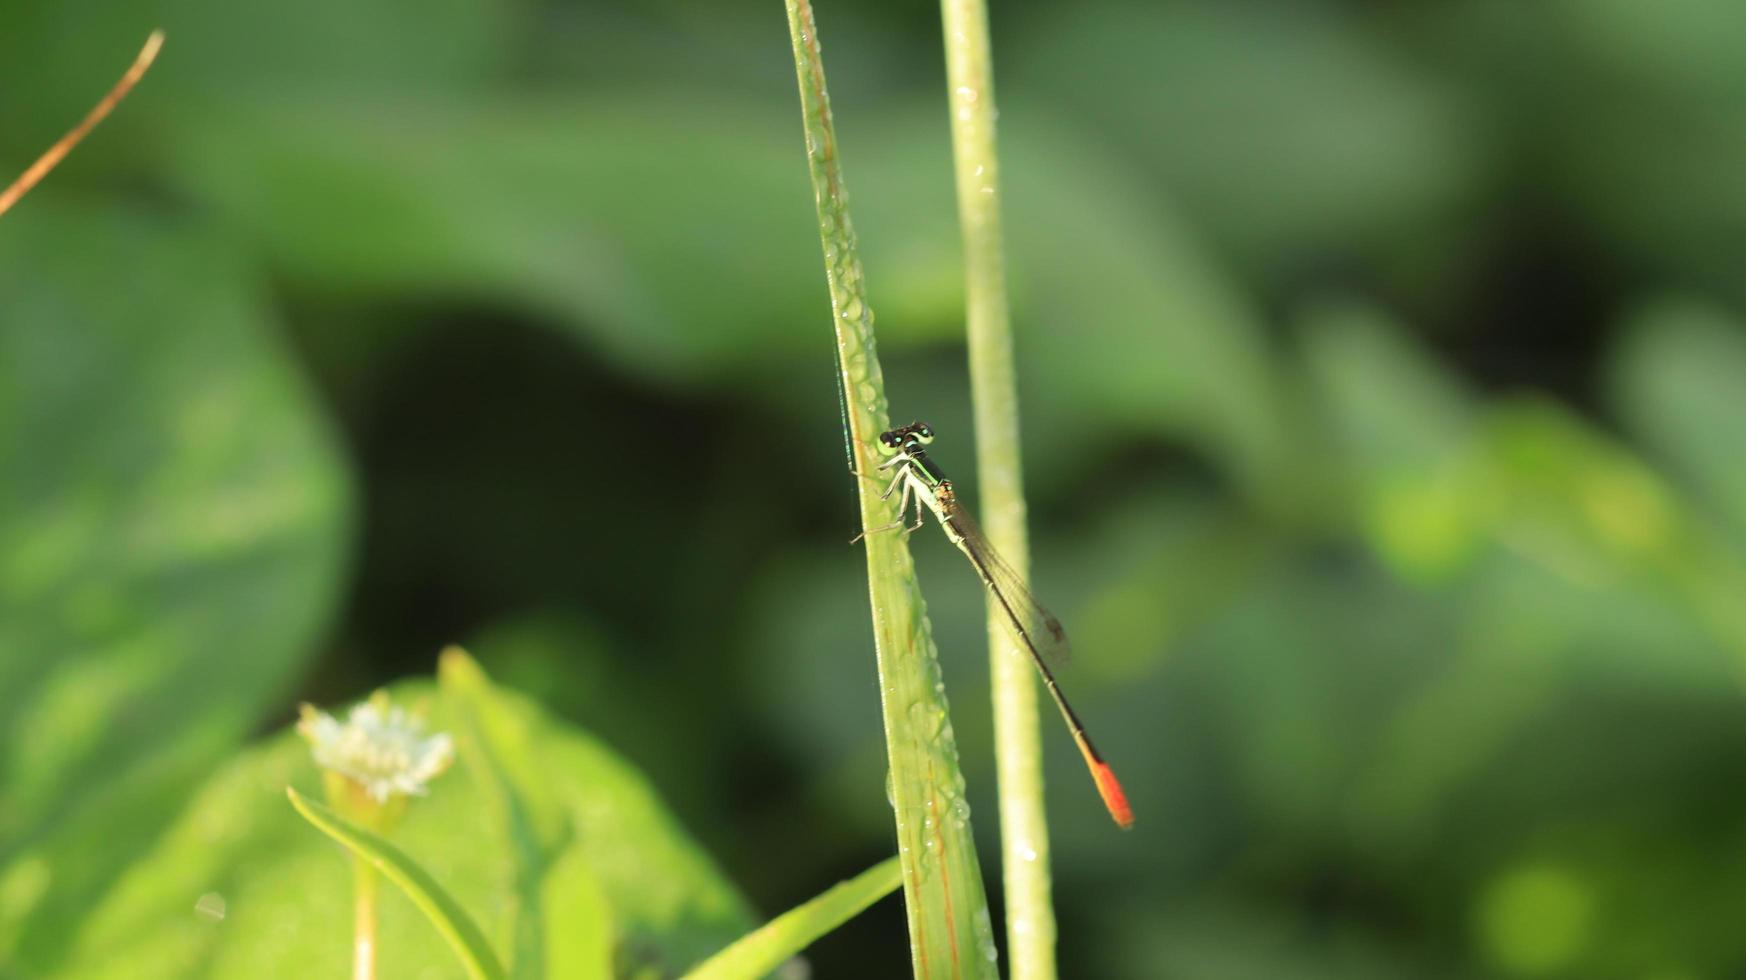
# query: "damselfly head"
[[905, 437]]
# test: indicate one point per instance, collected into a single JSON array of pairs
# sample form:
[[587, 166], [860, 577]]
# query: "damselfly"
[[920, 482]]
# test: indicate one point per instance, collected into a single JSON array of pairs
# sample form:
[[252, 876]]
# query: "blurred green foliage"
[[1382, 394], [285, 895]]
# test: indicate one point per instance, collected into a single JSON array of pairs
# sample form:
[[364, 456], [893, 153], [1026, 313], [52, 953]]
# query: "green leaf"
[[1581, 502], [463, 934], [1585, 506], [174, 514], [1407, 433], [229, 51], [279, 894], [562, 209], [1677, 380], [506, 748], [949, 927], [1652, 174], [500, 746], [669, 905], [630, 889], [1254, 114], [761, 952], [1108, 266], [579, 943]]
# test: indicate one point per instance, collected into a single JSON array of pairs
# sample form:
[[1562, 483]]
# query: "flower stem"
[[364, 922], [65, 144], [1024, 830]]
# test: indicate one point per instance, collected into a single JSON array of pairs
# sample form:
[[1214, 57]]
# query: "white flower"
[[381, 748]]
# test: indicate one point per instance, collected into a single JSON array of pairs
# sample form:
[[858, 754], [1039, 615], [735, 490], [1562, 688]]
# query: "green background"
[[1383, 381]]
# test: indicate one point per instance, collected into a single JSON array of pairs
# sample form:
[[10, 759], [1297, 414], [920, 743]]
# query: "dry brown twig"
[[47, 162]]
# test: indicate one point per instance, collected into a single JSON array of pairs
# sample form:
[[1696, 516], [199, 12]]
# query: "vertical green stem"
[[364, 920], [1018, 754], [950, 933]]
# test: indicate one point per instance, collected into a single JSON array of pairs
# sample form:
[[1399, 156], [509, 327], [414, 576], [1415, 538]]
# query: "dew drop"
[[211, 905], [927, 718], [985, 936]]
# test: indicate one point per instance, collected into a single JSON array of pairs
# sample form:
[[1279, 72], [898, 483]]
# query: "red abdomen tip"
[[1113, 797]]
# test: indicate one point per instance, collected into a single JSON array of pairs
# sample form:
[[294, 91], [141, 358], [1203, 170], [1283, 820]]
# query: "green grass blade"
[[452, 921], [1024, 829], [950, 934], [771, 945]]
